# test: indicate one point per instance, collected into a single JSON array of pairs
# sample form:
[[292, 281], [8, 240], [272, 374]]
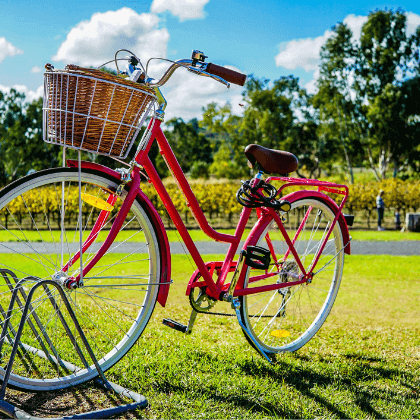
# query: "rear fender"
[[265, 218], [297, 195], [165, 255]]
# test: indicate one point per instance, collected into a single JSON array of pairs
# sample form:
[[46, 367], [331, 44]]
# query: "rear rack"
[[326, 186]]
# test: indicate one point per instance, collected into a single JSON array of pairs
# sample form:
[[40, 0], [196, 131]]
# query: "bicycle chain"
[[200, 311], [211, 302], [224, 314]]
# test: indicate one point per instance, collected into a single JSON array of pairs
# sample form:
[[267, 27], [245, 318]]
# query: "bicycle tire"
[[116, 301], [285, 320]]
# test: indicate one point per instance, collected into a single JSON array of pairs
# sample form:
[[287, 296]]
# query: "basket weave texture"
[[91, 110]]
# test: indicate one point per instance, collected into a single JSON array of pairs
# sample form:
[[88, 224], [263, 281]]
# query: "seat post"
[[259, 174]]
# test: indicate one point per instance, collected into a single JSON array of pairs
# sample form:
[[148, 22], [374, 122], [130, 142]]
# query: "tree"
[[278, 117], [21, 145], [222, 128], [188, 144], [363, 92], [334, 100]]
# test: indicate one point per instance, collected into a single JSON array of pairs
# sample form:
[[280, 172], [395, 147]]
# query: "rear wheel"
[[118, 296], [287, 318]]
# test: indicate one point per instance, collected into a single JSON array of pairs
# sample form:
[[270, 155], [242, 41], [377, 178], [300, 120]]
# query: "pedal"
[[175, 325], [257, 257]]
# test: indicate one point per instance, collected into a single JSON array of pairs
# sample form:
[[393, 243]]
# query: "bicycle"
[[93, 232]]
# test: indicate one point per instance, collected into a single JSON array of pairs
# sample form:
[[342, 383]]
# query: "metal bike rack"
[[12, 337]]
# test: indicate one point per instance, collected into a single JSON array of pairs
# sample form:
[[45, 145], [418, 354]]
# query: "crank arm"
[[186, 329]]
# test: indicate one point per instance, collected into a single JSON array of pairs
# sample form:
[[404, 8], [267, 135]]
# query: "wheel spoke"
[[288, 318], [39, 216]]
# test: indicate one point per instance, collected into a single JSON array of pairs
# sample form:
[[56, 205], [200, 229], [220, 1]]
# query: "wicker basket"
[[91, 110]]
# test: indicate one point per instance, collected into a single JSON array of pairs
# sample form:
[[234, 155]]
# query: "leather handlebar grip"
[[230, 76]]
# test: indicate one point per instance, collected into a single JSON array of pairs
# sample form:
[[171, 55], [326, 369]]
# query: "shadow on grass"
[[67, 402], [354, 377], [232, 400]]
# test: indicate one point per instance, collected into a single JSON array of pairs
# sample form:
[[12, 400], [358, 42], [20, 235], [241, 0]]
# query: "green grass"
[[387, 235], [54, 236], [198, 235], [363, 363]]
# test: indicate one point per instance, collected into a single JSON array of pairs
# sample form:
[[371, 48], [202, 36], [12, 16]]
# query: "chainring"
[[200, 301]]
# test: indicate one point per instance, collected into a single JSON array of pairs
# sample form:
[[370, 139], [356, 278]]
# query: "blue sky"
[[267, 38]]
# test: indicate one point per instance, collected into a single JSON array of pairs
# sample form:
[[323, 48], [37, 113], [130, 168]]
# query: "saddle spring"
[[261, 194]]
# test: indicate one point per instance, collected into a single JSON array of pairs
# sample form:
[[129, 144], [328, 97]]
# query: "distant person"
[[380, 207], [397, 219]]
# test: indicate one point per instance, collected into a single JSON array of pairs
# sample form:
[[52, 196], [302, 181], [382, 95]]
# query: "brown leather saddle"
[[271, 161]]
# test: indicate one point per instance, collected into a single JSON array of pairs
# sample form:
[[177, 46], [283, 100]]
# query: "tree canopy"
[[366, 112], [368, 93]]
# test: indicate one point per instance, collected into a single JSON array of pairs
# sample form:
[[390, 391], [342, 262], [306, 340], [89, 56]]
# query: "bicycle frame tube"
[[100, 222], [270, 213], [214, 289], [218, 288], [322, 186], [116, 226]]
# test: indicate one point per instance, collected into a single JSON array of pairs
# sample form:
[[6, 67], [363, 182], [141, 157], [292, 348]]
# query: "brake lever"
[[204, 73]]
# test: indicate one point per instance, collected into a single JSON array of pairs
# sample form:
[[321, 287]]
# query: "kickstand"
[[10, 410], [236, 307]]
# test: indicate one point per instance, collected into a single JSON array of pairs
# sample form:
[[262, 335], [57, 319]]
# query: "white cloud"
[[413, 21], [36, 69], [311, 86], [188, 93], [302, 53], [7, 49], [184, 9], [305, 52], [95, 41], [30, 95], [355, 24]]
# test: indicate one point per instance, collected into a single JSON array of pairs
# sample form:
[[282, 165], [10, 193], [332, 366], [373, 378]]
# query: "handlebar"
[[218, 73], [195, 65], [227, 74]]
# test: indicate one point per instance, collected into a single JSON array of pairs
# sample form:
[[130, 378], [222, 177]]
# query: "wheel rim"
[[118, 296], [286, 319]]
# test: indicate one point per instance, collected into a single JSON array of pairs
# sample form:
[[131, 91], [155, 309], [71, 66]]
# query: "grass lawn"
[[363, 363], [387, 235]]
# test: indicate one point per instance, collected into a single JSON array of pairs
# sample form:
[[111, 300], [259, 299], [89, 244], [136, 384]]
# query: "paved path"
[[357, 247]]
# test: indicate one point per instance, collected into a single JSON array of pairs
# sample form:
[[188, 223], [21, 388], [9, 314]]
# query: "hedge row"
[[220, 197]]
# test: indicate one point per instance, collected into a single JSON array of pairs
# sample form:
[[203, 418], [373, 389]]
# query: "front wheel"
[[39, 238], [286, 319]]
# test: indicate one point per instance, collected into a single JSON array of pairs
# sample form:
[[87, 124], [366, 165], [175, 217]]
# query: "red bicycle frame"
[[218, 288]]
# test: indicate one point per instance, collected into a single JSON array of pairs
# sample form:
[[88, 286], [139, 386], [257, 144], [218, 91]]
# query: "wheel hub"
[[61, 278], [288, 273]]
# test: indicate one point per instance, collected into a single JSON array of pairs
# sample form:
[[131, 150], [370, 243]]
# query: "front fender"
[[165, 255]]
